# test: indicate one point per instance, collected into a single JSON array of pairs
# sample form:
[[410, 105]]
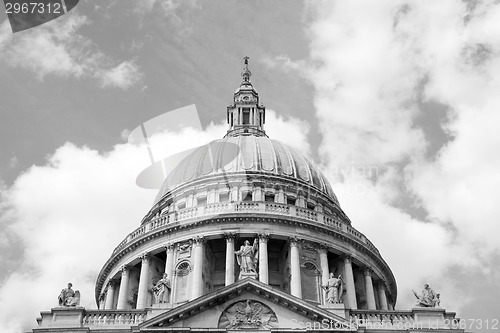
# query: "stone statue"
[[334, 289], [428, 298], [247, 257], [437, 301], [68, 297], [161, 290]]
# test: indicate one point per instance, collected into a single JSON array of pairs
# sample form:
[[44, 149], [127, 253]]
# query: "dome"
[[244, 189], [247, 155]]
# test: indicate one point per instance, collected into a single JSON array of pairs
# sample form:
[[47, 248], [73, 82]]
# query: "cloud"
[[57, 48], [373, 66], [61, 220], [122, 76]]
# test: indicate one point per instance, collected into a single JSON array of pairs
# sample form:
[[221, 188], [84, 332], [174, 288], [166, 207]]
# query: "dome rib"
[[240, 154]]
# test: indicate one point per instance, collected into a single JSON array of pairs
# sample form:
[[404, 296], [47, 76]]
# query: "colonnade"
[[197, 283]]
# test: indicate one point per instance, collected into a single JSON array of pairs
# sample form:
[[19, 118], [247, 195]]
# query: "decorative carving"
[[334, 289], [294, 240], [428, 298], [248, 314], [308, 246], [263, 238], [161, 290], [68, 297], [169, 247], [247, 257], [322, 247], [124, 270], [198, 240], [145, 257], [230, 236], [184, 247]]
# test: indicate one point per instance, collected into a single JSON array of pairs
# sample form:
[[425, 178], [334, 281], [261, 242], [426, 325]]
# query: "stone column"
[[349, 281], [235, 193], [295, 283], [370, 294], [169, 262], [142, 292], [382, 297], [325, 271], [110, 295], [229, 258], [199, 253], [123, 292], [280, 197], [257, 193], [263, 259]]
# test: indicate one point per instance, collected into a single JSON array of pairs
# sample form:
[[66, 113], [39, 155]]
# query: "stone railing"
[[367, 318], [417, 318], [214, 209], [113, 317], [64, 317]]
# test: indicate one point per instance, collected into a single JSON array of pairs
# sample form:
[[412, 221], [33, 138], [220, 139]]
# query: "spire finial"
[[246, 72]]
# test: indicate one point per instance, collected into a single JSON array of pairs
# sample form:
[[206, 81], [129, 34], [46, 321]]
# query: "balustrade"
[[229, 207], [113, 317], [386, 319]]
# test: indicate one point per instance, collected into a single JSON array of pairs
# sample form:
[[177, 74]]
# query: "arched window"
[[311, 282], [181, 282]]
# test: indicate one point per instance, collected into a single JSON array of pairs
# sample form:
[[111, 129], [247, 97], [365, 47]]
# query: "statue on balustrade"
[[428, 298], [334, 289], [247, 257], [68, 297], [161, 290]]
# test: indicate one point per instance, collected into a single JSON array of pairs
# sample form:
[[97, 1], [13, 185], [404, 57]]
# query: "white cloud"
[[61, 220], [122, 76], [372, 64], [57, 48]]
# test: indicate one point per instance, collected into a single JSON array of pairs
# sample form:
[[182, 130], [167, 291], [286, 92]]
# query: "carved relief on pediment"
[[248, 314]]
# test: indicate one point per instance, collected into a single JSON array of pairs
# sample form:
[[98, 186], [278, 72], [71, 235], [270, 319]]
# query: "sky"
[[396, 101]]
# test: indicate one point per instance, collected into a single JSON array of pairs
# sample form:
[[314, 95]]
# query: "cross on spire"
[[246, 72]]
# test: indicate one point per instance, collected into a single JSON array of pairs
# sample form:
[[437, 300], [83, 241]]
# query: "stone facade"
[[257, 196]]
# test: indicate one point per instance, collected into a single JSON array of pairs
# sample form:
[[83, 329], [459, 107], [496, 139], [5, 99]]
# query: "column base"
[[429, 317], [338, 309], [244, 275], [158, 308]]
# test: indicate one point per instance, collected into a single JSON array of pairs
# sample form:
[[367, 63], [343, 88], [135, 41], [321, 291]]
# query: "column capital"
[[367, 272], [294, 241], [230, 236], [145, 257], [198, 240], [347, 259], [322, 248], [169, 247], [263, 238], [380, 285], [112, 283], [124, 269]]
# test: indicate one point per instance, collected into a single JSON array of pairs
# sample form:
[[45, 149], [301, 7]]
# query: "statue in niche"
[[334, 289], [248, 315], [428, 298], [161, 290], [69, 297], [247, 257]]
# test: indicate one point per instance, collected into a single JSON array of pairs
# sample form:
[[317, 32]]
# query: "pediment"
[[246, 304]]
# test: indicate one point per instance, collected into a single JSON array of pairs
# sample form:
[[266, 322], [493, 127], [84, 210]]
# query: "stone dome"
[[244, 189], [247, 156]]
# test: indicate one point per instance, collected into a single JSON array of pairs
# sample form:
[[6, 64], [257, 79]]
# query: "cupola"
[[245, 116]]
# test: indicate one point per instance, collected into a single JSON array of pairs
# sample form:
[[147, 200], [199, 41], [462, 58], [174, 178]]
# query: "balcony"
[[212, 210]]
